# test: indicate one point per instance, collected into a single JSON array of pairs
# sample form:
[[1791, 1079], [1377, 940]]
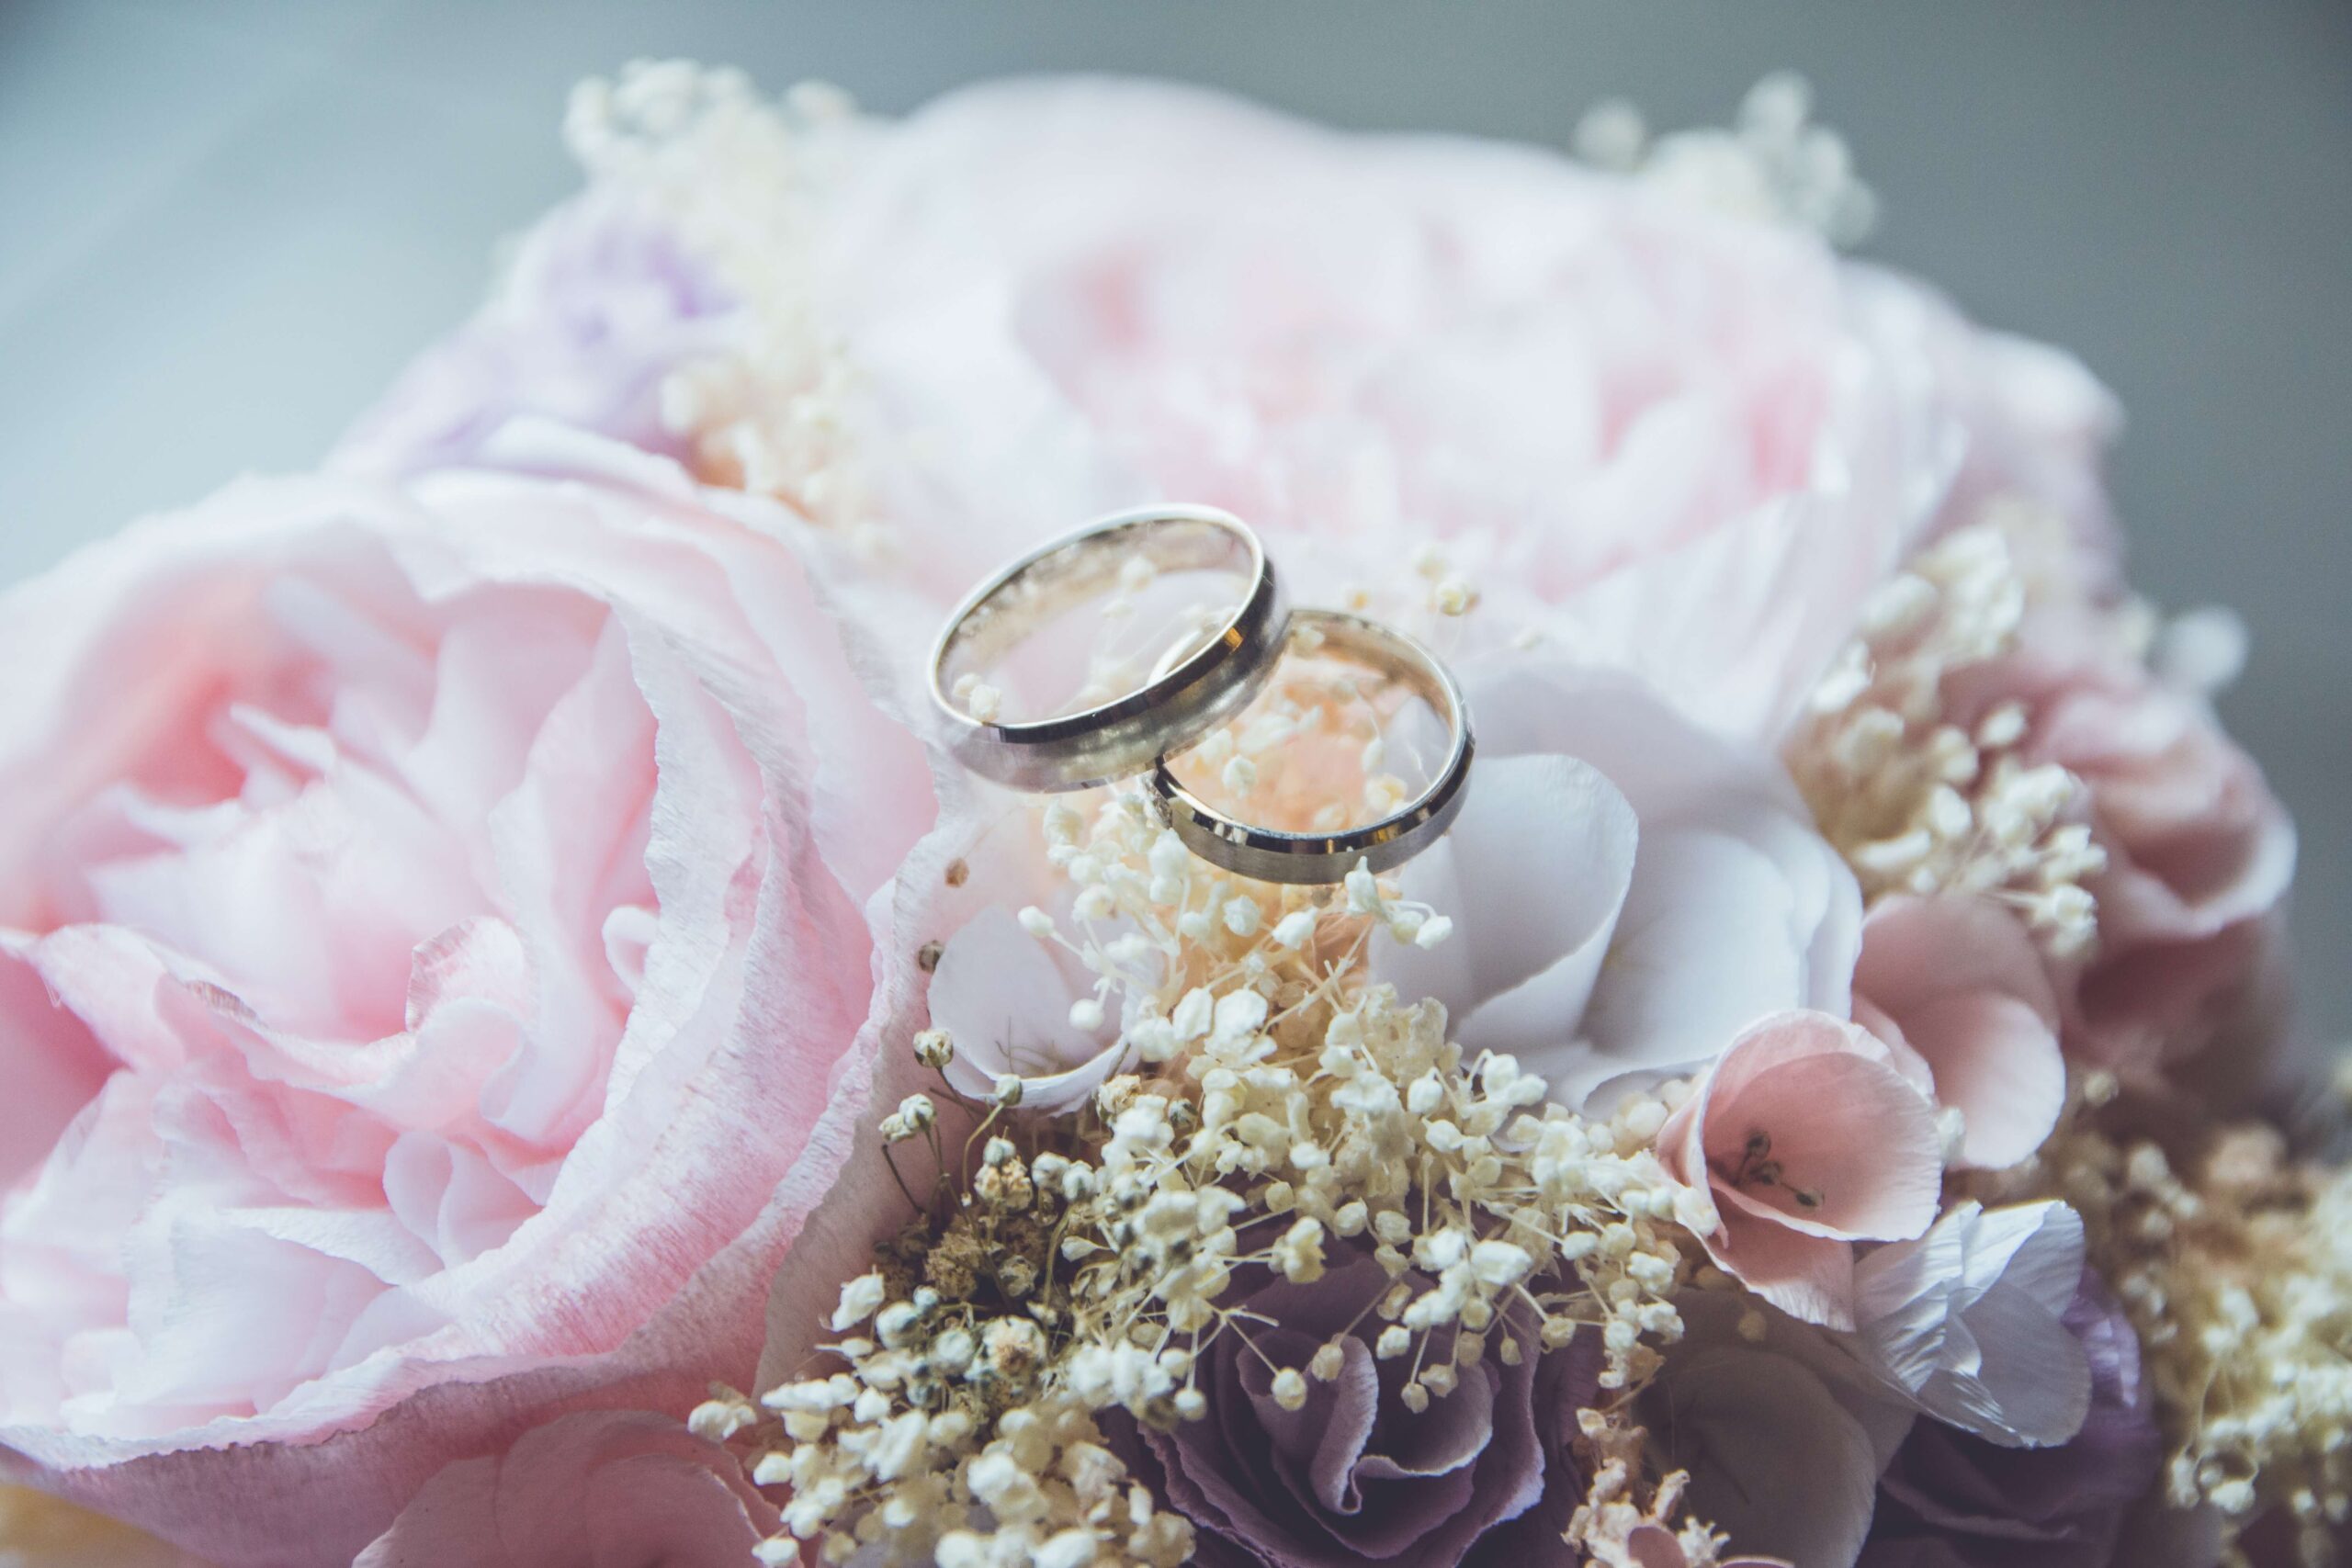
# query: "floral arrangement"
[[522, 1054]]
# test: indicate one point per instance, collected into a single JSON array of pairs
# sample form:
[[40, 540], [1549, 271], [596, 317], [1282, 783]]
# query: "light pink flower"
[[1685, 445], [2199, 854], [1956, 986], [435, 984], [585, 1491], [1804, 1138]]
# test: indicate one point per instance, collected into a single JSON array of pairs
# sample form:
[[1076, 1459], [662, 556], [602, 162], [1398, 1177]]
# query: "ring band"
[[1270, 855], [1177, 705]]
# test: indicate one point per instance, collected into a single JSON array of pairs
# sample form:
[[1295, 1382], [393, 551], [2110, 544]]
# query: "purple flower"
[[1484, 1476], [1951, 1500], [600, 304]]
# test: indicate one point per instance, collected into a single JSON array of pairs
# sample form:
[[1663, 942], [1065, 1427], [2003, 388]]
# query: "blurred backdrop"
[[225, 223]]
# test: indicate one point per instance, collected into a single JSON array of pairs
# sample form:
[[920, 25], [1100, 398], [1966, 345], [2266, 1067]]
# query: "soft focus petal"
[[1532, 874], [1006, 1003], [585, 1491], [1777, 1463]]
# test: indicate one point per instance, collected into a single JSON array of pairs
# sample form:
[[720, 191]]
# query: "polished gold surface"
[[1271, 854]]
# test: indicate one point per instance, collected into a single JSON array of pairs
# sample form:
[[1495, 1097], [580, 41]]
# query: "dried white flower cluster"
[[1614, 1530], [2235, 1264], [1919, 803], [1283, 1112], [1773, 163], [738, 177]]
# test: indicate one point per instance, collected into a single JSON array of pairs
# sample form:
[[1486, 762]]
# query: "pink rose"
[[585, 1491], [1683, 445], [2198, 852], [435, 984], [1804, 1138]]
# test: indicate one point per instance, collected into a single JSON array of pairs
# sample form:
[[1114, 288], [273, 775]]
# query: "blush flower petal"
[[1686, 448], [2198, 852], [1958, 981], [1803, 1138]]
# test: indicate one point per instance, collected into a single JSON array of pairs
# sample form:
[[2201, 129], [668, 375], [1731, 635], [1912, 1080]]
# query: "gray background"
[[224, 224]]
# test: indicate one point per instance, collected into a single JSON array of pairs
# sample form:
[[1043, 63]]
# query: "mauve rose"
[[600, 302], [1353, 1477], [437, 985], [1568, 1382], [601, 1489], [1951, 1500]]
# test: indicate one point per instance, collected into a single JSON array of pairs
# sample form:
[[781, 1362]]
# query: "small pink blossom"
[[585, 1491], [1956, 986], [2199, 854], [1804, 1138]]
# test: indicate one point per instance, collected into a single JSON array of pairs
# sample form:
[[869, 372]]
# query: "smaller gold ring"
[[1269, 854]]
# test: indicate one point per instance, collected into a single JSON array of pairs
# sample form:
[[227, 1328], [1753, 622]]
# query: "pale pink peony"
[[599, 1489], [1629, 891], [1804, 1138], [1682, 443], [435, 983], [1956, 986]]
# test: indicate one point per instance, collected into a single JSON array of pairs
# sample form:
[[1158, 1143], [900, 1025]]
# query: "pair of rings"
[[1198, 688]]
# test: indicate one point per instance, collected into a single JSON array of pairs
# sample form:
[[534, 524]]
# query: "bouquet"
[[529, 1047]]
